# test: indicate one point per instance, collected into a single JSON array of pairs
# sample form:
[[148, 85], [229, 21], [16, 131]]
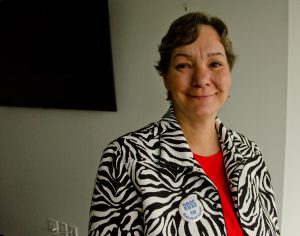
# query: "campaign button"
[[191, 209]]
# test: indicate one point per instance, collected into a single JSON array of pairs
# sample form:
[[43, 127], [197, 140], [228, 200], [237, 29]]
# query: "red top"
[[213, 166]]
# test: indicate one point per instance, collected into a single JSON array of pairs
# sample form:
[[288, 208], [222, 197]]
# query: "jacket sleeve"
[[116, 205]]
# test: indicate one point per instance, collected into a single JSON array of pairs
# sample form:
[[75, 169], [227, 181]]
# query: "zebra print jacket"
[[144, 175]]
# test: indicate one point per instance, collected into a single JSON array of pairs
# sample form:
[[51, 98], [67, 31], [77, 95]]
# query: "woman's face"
[[199, 77]]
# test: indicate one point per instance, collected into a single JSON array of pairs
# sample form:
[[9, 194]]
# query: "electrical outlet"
[[72, 230], [63, 228], [53, 226]]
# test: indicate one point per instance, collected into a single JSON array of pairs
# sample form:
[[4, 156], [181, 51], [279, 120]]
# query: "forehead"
[[208, 31], [208, 40]]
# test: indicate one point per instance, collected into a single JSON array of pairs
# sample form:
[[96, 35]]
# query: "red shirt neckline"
[[214, 168]]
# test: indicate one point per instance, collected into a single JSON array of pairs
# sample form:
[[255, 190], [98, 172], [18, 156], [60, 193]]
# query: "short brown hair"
[[185, 30]]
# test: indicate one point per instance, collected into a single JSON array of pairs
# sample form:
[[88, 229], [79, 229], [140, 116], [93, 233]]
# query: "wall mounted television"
[[56, 54]]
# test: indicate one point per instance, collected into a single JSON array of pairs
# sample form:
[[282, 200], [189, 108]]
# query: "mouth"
[[201, 96]]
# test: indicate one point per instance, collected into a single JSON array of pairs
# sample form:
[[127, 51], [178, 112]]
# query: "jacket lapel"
[[174, 150], [234, 160]]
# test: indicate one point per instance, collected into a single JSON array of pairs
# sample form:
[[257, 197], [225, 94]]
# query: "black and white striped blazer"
[[144, 175]]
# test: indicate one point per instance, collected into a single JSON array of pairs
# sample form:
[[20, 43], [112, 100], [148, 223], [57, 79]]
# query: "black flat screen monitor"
[[56, 54]]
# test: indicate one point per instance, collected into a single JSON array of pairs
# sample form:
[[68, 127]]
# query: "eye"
[[183, 66], [215, 64]]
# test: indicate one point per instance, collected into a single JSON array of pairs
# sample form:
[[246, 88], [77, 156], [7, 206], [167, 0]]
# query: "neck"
[[201, 136]]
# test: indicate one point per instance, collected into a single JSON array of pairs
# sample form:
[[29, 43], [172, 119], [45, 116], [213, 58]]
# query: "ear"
[[166, 82]]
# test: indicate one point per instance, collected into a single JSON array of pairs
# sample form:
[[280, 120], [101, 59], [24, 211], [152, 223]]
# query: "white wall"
[[291, 196], [49, 158]]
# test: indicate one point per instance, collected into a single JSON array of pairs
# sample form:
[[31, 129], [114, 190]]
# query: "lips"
[[201, 96]]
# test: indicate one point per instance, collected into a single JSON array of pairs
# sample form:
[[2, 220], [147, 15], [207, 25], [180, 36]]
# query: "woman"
[[186, 174]]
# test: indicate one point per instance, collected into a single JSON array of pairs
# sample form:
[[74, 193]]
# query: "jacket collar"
[[175, 151]]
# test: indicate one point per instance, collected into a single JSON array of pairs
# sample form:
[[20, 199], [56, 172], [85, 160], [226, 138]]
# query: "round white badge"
[[191, 209]]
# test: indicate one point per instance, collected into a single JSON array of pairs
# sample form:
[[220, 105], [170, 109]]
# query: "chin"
[[204, 113]]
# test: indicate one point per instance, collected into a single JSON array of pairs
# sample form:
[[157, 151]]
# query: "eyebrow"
[[188, 55], [216, 54], [181, 54]]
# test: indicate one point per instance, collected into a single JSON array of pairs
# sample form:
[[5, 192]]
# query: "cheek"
[[169, 84], [224, 82], [175, 83]]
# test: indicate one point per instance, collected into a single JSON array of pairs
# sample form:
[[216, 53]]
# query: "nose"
[[201, 77]]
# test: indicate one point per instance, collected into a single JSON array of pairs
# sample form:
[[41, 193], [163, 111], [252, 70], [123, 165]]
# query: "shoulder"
[[134, 141], [244, 142], [143, 134], [232, 139]]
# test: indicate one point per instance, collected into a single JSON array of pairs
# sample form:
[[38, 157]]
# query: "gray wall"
[[291, 193], [49, 158]]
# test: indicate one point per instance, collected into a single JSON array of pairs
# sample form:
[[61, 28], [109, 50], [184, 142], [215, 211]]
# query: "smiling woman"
[[198, 78], [186, 174]]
